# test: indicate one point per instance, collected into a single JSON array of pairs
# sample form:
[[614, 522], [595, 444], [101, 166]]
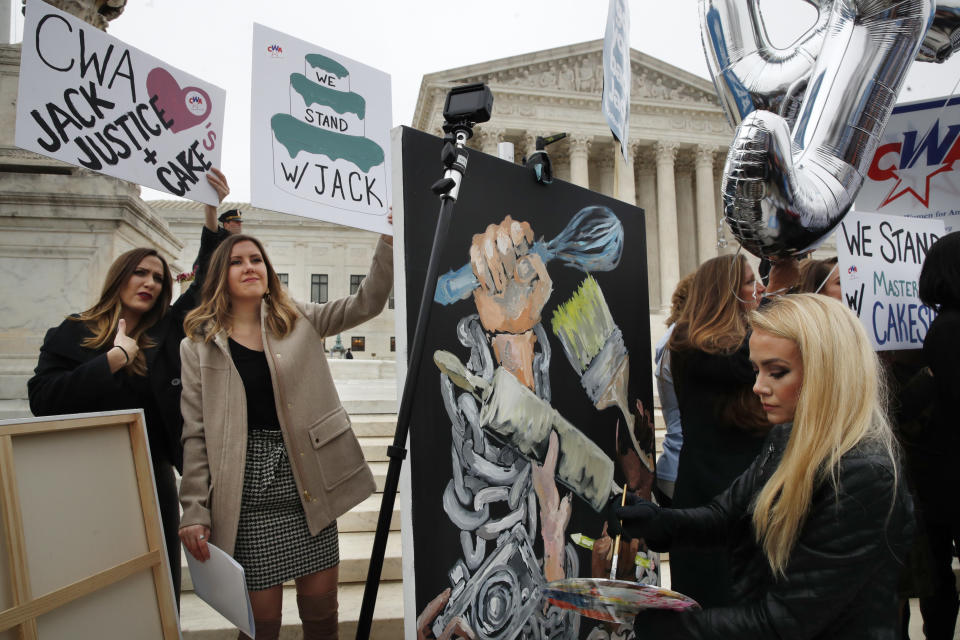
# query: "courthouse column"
[[706, 197], [490, 137], [667, 220], [647, 200], [579, 156], [627, 189], [686, 215]]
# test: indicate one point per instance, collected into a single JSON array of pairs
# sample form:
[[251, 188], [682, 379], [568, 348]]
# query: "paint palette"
[[613, 600]]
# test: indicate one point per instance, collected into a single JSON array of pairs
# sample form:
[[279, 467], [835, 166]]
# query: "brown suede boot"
[[319, 616], [266, 630]]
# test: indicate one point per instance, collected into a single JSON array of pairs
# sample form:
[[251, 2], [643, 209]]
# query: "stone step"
[[369, 405], [372, 424], [355, 548], [200, 622], [12, 409], [375, 448], [363, 517], [379, 470]]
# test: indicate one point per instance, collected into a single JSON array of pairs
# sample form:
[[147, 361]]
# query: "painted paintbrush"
[[513, 414], [591, 241], [616, 544], [595, 348], [641, 560]]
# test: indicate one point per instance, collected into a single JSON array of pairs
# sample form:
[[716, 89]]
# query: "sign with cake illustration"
[[320, 133]]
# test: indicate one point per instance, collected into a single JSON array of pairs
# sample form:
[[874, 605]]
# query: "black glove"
[[641, 519]]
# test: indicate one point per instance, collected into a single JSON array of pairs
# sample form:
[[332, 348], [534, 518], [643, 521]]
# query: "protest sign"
[[880, 258], [616, 72], [320, 133], [89, 99], [912, 172]]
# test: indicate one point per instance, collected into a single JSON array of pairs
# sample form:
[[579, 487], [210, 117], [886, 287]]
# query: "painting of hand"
[[514, 283], [554, 511]]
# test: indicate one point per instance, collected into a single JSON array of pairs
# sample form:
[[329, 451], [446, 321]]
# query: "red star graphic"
[[925, 198]]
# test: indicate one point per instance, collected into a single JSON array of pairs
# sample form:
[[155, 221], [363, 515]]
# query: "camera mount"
[[466, 106]]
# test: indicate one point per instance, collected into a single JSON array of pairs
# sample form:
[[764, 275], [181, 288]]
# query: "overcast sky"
[[211, 39]]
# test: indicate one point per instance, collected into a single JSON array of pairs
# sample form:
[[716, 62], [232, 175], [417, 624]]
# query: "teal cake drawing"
[[323, 63], [340, 101], [298, 136]]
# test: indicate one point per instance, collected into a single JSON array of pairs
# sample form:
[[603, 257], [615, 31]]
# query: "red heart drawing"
[[187, 107]]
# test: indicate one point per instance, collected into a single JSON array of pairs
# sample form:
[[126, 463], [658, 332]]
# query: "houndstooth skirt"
[[274, 544]]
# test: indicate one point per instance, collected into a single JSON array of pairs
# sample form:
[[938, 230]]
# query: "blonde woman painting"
[[819, 526]]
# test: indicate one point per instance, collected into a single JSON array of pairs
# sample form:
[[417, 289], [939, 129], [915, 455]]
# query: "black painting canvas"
[[534, 399]]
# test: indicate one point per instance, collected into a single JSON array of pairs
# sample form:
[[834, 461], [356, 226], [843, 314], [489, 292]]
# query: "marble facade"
[[677, 142]]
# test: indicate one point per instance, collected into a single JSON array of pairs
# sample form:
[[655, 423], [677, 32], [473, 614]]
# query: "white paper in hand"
[[220, 583]]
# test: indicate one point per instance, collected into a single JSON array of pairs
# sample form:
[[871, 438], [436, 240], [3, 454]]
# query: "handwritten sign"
[[320, 133], [912, 172], [880, 258], [89, 99]]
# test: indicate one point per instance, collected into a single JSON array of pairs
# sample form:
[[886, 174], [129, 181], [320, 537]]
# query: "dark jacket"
[[841, 579], [70, 378], [715, 451]]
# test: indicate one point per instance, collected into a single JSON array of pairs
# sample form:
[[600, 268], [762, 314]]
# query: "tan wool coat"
[[328, 465]]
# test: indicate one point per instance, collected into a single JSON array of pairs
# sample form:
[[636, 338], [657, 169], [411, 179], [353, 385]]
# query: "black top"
[[257, 386], [841, 577]]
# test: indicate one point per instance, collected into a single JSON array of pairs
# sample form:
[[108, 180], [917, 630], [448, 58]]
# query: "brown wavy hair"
[[102, 318], [215, 312], [679, 298], [814, 274], [712, 319]]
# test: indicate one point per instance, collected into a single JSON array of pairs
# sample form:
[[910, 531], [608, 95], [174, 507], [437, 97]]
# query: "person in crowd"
[[817, 528], [673, 440], [348, 355], [820, 276], [124, 353], [257, 388], [936, 449], [723, 424], [230, 222]]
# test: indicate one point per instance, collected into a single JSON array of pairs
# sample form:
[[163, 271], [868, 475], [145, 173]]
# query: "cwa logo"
[[911, 164], [275, 51]]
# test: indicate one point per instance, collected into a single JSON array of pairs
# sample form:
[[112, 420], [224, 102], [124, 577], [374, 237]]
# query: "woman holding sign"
[[123, 353], [270, 460], [819, 526]]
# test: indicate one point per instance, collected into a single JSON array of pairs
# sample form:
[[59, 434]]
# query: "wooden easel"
[[84, 554]]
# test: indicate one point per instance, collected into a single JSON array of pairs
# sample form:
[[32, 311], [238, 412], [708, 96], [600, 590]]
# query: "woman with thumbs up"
[[124, 353]]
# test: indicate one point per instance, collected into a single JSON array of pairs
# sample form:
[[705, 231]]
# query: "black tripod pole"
[[455, 159]]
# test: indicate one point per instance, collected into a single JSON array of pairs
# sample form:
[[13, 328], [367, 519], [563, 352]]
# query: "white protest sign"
[[320, 133], [912, 172], [880, 258], [89, 99]]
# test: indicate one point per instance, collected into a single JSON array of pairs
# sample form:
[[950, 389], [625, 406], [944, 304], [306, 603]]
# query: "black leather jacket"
[[842, 575]]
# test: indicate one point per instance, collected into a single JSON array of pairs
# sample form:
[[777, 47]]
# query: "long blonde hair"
[[102, 318], [215, 312], [841, 403], [712, 319]]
